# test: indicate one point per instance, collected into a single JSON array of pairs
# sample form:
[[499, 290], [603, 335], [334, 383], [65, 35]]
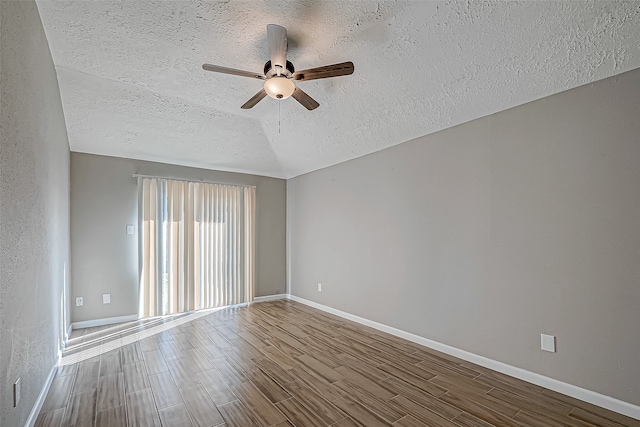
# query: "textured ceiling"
[[132, 84]]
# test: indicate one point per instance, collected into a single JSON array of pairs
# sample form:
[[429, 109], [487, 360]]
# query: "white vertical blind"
[[197, 245]]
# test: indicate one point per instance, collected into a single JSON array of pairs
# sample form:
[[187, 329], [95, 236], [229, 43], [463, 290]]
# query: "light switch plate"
[[106, 298], [130, 229], [319, 287], [79, 301], [548, 343]]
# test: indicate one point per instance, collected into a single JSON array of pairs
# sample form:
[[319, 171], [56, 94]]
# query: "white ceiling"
[[132, 84]]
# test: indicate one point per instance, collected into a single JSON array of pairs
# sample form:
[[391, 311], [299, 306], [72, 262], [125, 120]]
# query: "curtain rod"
[[137, 175]]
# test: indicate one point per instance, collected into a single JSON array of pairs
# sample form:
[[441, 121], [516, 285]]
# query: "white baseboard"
[[270, 298], [589, 396], [35, 411], [103, 322]]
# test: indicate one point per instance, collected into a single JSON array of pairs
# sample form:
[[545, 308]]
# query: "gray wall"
[[486, 235], [104, 199], [34, 210]]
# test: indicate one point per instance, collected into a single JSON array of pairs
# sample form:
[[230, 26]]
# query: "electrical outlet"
[[79, 301], [16, 392], [548, 343], [130, 229], [319, 287], [106, 298]]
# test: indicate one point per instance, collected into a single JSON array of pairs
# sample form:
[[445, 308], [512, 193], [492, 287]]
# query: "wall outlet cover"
[[130, 229], [319, 287], [79, 301], [548, 343], [106, 298]]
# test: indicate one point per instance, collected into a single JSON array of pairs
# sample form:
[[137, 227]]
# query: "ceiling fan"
[[279, 74]]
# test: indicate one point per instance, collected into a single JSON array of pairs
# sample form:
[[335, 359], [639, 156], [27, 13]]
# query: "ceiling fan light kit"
[[279, 74], [279, 87]]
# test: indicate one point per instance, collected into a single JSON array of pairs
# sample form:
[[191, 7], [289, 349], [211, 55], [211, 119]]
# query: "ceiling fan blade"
[[308, 102], [335, 70], [233, 71], [254, 100], [277, 36]]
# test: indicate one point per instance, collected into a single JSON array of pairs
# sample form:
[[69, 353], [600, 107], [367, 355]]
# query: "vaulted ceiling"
[[132, 84]]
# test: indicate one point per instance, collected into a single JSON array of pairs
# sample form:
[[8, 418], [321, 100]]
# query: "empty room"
[[319, 213]]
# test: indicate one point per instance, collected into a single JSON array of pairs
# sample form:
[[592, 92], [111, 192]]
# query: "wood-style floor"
[[282, 363]]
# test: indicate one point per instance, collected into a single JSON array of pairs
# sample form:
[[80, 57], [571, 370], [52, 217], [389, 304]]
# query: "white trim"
[[65, 341], [270, 298], [103, 322], [287, 236], [35, 411], [592, 397]]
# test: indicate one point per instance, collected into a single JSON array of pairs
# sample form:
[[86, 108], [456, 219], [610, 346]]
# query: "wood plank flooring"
[[281, 364]]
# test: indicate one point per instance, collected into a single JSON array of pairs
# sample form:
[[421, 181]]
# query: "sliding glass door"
[[197, 245]]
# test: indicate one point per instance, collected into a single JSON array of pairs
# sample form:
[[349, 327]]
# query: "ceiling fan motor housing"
[[271, 71]]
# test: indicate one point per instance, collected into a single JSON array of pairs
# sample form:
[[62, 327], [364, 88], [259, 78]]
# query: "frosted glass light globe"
[[279, 87]]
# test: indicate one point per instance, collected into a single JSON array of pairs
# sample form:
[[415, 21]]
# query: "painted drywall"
[[485, 235], [104, 199], [34, 210]]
